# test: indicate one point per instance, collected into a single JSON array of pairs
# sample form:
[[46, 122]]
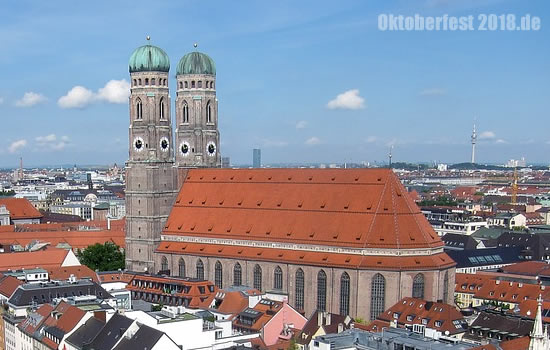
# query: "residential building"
[[21, 211], [472, 260]]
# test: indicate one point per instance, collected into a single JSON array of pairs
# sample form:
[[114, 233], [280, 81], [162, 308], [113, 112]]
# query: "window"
[[186, 85], [153, 81], [181, 267], [208, 112], [135, 82], [139, 109], [258, 277], [446, 287], [200, 270], [192, 84], [139, 81], [344, 294], [199, 83], [322, 291], [161, 108], [218, 275], [185, 112], [378, 296], [418, 286], [299, 289], [237, 275], [164, 264], [181, 85], [278, 278], [146, 81]]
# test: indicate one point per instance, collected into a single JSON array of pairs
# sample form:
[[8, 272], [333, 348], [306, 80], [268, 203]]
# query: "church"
[[347, 241]]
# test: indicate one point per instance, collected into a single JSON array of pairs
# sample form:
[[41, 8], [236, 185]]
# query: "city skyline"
[[315, 84]]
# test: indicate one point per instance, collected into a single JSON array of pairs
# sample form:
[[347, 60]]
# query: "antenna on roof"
[[390, 155]]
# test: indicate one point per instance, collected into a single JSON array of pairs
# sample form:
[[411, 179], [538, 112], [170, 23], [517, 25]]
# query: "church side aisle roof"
[[355, 208]]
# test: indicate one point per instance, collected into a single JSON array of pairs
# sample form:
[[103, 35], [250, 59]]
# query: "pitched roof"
[[145, 338], [329, 322], [229, 301], [111, 332], [529, 268], [75, 239], [64, 272], [500, 322], [360, 208], [439, 316], [86, 333], [20, 208], [485, 257], [8, 285], [42, 258]]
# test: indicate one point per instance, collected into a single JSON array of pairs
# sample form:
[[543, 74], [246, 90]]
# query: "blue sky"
[[279, 66]]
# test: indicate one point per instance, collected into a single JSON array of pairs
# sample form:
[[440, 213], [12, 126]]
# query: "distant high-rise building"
[[256, 158], [474, 139], [226, 162]]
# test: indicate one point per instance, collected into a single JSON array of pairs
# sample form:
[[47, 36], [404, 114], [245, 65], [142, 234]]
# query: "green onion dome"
[[149, 58], [196, 63]]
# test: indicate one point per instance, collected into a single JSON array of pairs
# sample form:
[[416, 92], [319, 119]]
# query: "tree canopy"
[[102, 257]]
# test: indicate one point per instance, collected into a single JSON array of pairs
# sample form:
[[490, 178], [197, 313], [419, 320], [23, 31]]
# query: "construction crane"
[[515, 187]]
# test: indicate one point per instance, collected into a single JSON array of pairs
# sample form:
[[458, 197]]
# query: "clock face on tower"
[[211, 149], [164, 144], [184, 149], [138, 144]]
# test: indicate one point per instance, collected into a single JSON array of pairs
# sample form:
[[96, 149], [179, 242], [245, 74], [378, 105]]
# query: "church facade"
[[348, 241]]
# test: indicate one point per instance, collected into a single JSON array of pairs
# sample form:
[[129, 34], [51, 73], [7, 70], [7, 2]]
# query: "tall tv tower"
[[474, 139]]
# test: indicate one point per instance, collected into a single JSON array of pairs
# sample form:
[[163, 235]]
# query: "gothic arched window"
[[139, 81], [200, 270], [278, 278], [185, 112], [161, 108], [258, 277], [322, 291], [181, 267], [344, 294], [237, 275], [163, 264], [418, 286], [139, 109], [218, 275], [377, 296], [208, 112], [446, 287], [300, 289]]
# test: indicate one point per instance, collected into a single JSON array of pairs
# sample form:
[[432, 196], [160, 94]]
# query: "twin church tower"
[[158, 160]]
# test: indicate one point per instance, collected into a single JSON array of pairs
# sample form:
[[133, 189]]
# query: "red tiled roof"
[[516, 344], [528, 268], [511, 292], [229, 302], [440, 260], [122, 276], [43, 258], [20, 208], [418, 311], [75, 239], [336, 207], [528, 308], [62, 273], [8, 285]]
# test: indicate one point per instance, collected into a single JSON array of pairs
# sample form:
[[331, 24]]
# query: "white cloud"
[[301, 124], [51, 142], [347, 100], [274, 143], [1, 100], [17, 145], [487, 135], [77, 97], [313, 141], [114, 91], [30, 99], [500, 141], [371, 139], [433, 92]]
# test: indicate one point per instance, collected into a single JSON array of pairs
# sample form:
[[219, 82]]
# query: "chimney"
[[328, 316], [100, 315], [340, 327], [319, 318], [109, 223]]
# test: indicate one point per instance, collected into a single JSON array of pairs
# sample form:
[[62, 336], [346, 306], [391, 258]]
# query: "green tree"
[[102, 257]]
